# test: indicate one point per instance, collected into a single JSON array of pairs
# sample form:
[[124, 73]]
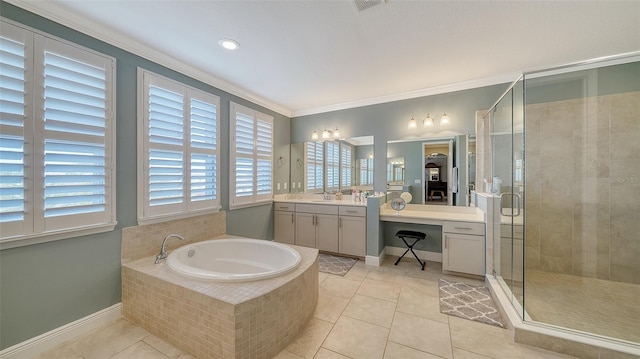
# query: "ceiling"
[[302, 57]]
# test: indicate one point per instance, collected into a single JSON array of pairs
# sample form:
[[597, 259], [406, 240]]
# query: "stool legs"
[[410, 248]]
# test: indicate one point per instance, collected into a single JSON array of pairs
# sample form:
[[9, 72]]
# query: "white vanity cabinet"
[[317, 227], [352, 230], [335, 228], [284, 229], [463, 247]]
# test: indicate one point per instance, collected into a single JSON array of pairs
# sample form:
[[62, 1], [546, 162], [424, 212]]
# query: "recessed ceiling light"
[[229, 44]]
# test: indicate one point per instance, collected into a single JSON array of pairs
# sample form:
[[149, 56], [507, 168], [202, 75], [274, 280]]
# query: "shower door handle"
[[515, 198]]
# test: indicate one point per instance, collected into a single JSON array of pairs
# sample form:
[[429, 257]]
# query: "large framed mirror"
[[332, 166]]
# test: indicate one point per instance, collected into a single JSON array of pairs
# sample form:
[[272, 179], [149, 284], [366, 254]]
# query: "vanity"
[[335, 226], [463, 233]]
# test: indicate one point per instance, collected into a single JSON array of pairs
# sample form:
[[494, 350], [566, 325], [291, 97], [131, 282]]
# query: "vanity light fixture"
[[229, 44], [325, 135], [428, 122], [444, 120], [412, 123]]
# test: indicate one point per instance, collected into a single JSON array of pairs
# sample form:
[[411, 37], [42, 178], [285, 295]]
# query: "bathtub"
[[253, 319], [233, 260]]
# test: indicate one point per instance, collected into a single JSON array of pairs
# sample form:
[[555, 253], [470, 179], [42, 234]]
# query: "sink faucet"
[[326, 196], [163, 252]]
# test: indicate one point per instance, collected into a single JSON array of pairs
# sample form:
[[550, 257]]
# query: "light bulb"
[[428, 122], [412, 123], [444, 120], [314, 135], [336, 133], [326, 134]]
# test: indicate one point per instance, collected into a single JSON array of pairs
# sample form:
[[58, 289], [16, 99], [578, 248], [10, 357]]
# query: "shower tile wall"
[[582, 178]]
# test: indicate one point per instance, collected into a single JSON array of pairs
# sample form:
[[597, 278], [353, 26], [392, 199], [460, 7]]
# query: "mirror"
[[395, 171], [434, 174], [340, 165]]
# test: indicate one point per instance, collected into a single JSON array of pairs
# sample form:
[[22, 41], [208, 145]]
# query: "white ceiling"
[[300, 57]]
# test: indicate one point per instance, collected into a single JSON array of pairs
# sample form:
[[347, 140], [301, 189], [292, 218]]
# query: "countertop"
[[317, 199], [429, 214]]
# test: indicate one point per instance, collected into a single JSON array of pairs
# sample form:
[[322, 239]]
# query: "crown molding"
[[429, 91], [53, 12]]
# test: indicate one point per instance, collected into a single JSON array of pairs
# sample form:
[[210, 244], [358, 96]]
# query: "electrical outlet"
[[417, 181], [285, 185], [278, 186]]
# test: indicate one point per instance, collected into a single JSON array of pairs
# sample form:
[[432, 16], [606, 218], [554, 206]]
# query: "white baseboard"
[[424, 255], [43, 342], [373, 260]]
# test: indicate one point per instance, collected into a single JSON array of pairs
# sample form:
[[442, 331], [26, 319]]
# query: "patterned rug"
[[468, 302], [335, 265]]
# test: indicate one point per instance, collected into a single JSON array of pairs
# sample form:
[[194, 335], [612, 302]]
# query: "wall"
[[388, 121], [48, 285]]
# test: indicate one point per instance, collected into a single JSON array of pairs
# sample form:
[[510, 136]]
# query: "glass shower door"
[[507, 124]]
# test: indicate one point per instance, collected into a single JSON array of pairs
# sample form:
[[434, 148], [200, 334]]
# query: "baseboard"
[[424, 255], [373, 260], [43, 342]]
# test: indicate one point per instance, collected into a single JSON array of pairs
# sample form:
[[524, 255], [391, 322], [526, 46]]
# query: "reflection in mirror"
[[332, 166], [364, 162], [395, 171]]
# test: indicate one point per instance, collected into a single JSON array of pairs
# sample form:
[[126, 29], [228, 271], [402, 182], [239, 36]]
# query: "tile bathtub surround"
[[221, 320], [145, 240]]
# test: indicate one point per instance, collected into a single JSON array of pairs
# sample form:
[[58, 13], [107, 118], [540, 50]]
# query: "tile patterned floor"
[[372, 312]]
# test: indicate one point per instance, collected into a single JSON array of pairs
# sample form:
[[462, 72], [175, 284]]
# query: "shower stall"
[[562, 153]]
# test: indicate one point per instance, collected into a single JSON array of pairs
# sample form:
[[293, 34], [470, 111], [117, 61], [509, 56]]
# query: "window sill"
[[247, 205], [172, 217], [22, 241]]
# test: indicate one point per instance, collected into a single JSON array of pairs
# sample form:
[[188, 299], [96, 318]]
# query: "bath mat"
[[335, 264], [468, 302]]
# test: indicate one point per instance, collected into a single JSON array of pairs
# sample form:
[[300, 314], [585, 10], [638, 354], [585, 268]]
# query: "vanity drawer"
[[317, 208], [283, 206], [353, 211], [463, 227]]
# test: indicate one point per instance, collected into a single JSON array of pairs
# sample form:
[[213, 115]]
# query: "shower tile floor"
[[587, 304], [372, 312]]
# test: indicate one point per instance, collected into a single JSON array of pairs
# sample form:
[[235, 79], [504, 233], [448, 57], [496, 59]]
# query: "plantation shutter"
[[314, 156], [244, 149], [345, 166], [165, 147], [179, 156], [15, 214], [333, 166], [251, 156], [264, 158], [204, 152], [74, 127]]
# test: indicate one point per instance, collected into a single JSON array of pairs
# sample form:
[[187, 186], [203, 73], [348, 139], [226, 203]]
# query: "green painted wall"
[[45, 286]]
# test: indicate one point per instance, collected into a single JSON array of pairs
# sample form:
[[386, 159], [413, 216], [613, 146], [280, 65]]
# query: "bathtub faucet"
[[163, 252]]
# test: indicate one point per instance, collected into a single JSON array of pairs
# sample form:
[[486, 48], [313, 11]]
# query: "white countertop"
[[317, 199], [429, 214]]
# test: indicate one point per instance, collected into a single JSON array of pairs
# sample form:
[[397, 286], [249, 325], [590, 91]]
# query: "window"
[[366, 171], [251, 159], [57, 145], [314, 160], [178, 151], [332, 161], [345, 166]]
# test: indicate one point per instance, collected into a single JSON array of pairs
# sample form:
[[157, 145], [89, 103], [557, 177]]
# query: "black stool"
[[418, 236]]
